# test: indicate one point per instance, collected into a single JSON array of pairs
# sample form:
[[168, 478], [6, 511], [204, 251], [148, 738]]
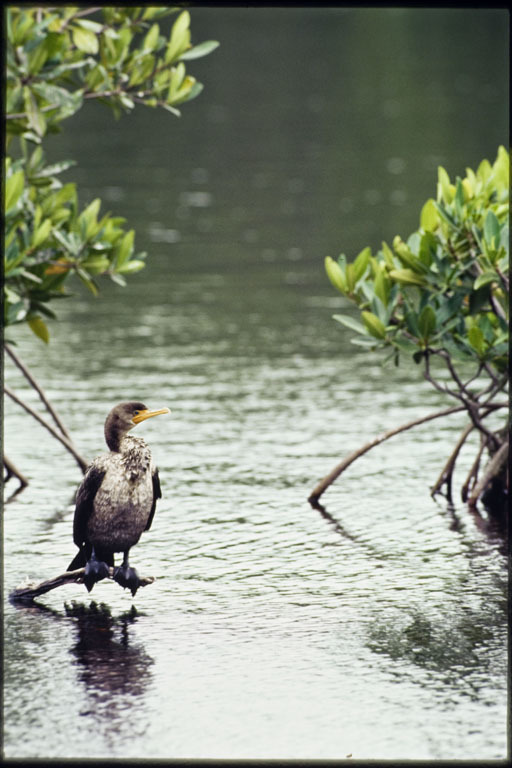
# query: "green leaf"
[[179, 39], [37, 59], [335, 274], [13, 189], [58, 97], [406, 277], [443, 186], [491, 229], [93, 26], [427, 322], [484, 170], [134, 265], [476, 339], [406, 256], [459, 196], [88, 219], [36, 119], [429, 217], [388, 255], [142, 70], [177, 77], [42, 233], [350, 276], [484, 279], [39, 327], [194, 91], [404, 345], [85, 40], [411, 319], [84, 277], [374, 325], [351, 323], [151, 39], [427, 249], [96, 265], [203, 49], [360, 263], [124, 249], [382, 286]]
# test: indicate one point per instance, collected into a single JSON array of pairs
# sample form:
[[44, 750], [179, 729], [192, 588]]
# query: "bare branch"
[[336, 472], [25, 593], [30, 378], [81, 461]]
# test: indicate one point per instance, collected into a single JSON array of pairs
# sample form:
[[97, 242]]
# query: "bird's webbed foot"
[[95, 570], [127, 577]]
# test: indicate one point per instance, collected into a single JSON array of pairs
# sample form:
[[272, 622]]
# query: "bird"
[[116, 500]]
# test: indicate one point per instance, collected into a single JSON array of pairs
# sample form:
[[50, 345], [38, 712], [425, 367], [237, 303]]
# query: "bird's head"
[[124, 417]]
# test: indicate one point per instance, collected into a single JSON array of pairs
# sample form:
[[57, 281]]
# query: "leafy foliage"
[[445, 290], [57, 59], [443, 295]]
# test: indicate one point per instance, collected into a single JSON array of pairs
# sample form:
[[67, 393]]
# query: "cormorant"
[[116, 500]]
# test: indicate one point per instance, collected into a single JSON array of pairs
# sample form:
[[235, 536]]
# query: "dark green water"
[[271, 631]]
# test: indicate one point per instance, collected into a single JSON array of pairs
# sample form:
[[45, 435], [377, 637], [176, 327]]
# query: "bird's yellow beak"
[[147, 414]]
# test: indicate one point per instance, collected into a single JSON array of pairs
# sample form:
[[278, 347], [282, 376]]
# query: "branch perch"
[[25, 593]]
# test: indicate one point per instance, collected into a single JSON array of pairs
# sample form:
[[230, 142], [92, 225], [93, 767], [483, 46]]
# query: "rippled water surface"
[[375, 629]]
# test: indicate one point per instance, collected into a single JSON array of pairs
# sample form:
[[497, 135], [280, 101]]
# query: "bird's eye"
[[136, 413]]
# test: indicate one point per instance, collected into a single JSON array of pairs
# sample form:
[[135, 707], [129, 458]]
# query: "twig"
[[493, 468], [82, 463], [331, 477], [30, 378], [26, 593]]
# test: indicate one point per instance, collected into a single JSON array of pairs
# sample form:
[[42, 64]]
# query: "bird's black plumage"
[[116, 500]]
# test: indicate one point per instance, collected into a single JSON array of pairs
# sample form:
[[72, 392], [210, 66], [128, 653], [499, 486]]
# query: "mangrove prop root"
[[26, 592], [472, 477], [445, 478], [336, 472], [493, 469], [447, 473]]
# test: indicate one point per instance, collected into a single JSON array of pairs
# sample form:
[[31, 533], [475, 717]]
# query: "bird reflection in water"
[[114, 670]]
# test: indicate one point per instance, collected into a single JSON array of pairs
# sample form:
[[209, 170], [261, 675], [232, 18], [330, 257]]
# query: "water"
[[377, 629]]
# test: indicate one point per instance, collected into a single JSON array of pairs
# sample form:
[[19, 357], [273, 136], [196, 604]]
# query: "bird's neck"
[[135, 456], [114, 439]]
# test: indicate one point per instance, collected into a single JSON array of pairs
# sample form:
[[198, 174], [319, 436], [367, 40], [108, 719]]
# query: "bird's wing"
[[157, 494], [85, 500]]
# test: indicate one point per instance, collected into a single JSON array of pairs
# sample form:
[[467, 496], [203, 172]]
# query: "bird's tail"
[[81, 558], [84, 554]]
